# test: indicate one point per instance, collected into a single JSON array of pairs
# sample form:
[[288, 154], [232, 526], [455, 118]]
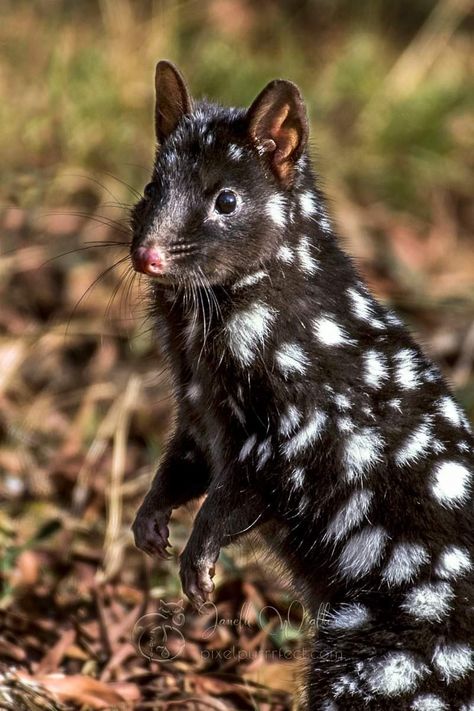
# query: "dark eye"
[[226, 202], [150, 191]]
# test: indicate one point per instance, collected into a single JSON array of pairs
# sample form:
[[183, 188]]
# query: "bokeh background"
[[84, 400]]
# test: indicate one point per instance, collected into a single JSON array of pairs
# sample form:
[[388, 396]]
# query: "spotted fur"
[[312, 414]]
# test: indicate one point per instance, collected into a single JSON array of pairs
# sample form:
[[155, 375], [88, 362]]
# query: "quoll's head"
[[217, 203]]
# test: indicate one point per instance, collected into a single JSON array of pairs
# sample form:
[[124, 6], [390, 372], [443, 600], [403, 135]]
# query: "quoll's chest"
[[209, 398]]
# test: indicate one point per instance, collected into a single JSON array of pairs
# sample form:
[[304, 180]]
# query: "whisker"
[[119, 205], [114, 293], [91, 286], [127, 185], [204, 321], [79, 249], [92, 180], [100, 219], [128, 289]]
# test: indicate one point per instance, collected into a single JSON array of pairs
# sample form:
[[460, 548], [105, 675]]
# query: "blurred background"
[[85, 620]]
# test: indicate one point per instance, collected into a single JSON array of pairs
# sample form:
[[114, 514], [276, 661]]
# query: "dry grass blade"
[[84, 690], [95, 451], [19, 692], [11, 355], [417, 59], [113, 544], [54, 656], [431, 40]]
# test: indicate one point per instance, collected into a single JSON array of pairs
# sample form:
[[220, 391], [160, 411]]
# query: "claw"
[[196, 580], [163, 553], [151, 532]]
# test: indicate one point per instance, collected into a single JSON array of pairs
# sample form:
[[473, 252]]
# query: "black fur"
[[305, 410]]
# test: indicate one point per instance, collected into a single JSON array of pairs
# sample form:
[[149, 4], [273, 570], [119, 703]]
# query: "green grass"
[[78, 83]]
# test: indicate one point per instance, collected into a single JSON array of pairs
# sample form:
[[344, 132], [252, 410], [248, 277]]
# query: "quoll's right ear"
[[173, 99], [278, 126]]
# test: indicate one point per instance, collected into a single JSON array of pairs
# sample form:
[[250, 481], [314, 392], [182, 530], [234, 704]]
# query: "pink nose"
[[148, 260]]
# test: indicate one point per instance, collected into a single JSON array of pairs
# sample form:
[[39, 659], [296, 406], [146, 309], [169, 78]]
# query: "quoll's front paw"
[[196, 577], [151, 531]]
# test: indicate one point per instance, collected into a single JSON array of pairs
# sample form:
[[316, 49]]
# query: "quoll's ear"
[[172, 99], [278, 125]]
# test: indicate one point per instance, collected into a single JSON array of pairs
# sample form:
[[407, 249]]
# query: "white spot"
[[308, 203], [453, 661], [407, 369], [450, 484], [248, 329], [450, 410], [346, 684], [276, 210], [342, 402], [395, 673], [325, 224], [306, 436], [438, 447], [429, 601], [330, 333], [362, 552], [304, 503], [463, 447], [468, 707], [285, 254], [345, 424], [392, 319], [363, 308], [375, 368], [249, 280], [431, 375], [396, 404], [428, 702], [235, 152], [264, 452], [350, 515], [363, 450], [249, 444], [297, 476], [329, 706], [291, 358], [417, 444], [308, 263], [404, 563], [348, 617], [290, 420], [453, 561], [302, 161], [194, 392], [238, 412]]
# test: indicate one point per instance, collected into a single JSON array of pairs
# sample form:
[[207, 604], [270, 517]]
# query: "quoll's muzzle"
[[149, 260]]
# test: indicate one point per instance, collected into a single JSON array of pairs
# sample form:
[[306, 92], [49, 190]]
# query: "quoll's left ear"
[[278, 125], [173, 99]]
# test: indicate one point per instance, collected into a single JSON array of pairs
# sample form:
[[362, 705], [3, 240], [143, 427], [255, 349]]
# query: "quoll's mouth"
[[150, 261]]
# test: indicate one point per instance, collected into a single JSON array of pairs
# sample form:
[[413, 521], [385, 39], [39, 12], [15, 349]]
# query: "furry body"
[[305, 405]]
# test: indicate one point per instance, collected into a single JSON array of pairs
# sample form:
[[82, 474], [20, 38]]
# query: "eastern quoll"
[[304, 408]]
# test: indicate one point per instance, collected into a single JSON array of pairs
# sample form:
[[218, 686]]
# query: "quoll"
[[305, 410]]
